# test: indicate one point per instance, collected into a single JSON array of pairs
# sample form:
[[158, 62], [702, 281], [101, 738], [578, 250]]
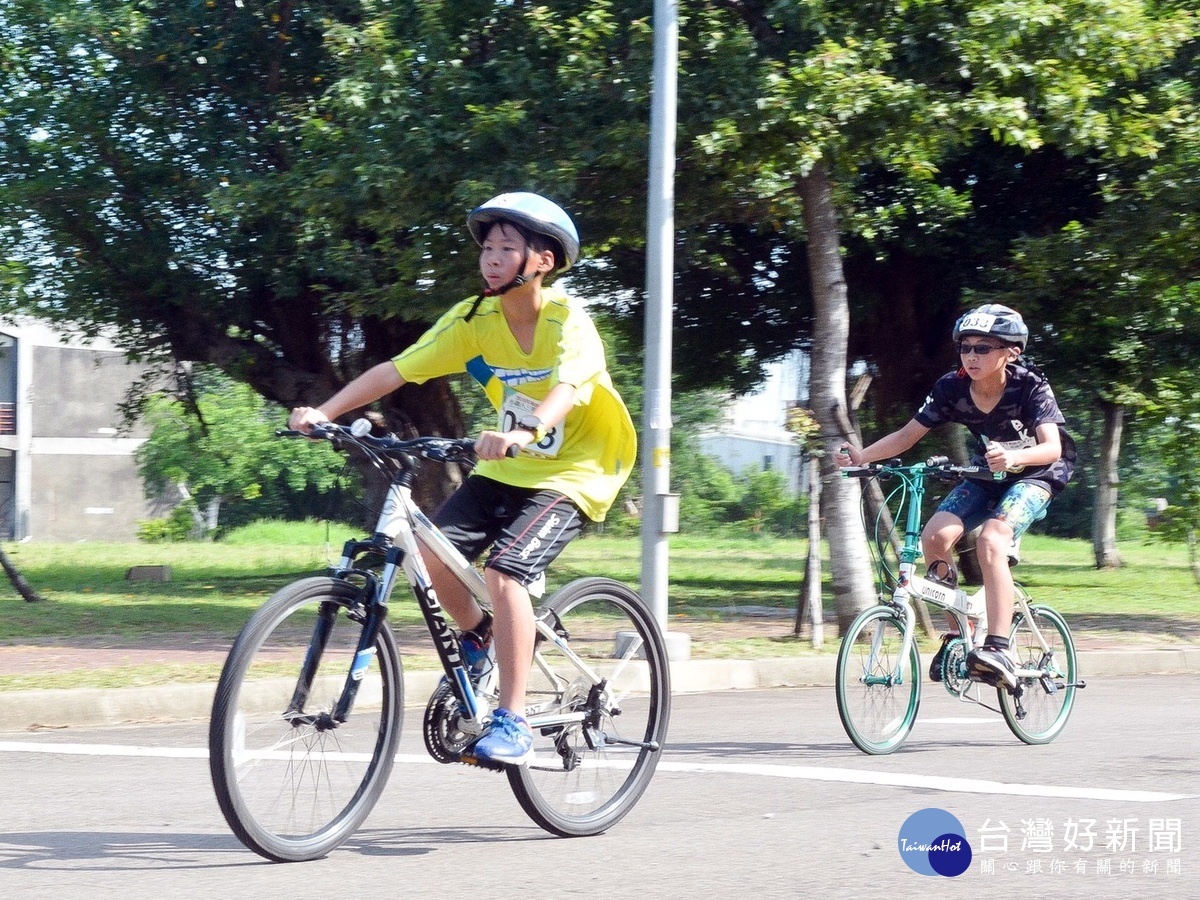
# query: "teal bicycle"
[[878, 677]]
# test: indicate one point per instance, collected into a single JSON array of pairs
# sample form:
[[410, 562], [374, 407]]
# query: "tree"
[[218, 448], [278, 188], [1123, 289]]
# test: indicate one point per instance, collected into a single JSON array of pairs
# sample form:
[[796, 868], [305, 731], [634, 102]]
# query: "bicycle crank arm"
[[653, 746]]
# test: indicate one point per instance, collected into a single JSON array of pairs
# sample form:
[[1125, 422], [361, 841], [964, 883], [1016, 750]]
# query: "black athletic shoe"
[[993, 666], [937, 665]]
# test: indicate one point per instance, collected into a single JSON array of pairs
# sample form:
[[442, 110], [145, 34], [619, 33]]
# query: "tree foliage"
[[278, 189], [220, 447]]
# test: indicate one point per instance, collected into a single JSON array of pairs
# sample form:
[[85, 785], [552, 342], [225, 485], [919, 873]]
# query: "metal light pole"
[[660, 508]]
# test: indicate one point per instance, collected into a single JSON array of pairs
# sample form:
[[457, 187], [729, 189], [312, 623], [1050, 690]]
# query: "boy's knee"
[[994, 541], [938, 541]]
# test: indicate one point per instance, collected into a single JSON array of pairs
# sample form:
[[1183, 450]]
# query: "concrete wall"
[[86, 498], [76, 392], [68, 473]]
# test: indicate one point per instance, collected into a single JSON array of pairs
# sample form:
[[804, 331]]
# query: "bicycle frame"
[[401, 532]]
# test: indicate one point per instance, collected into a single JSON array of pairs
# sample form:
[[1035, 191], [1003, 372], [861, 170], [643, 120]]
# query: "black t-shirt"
[[1027, 402]]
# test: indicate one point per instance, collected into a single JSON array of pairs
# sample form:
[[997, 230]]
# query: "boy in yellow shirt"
[[540, 361]]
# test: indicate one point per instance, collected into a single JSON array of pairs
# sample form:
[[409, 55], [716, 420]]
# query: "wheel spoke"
[[878, 691], [601, 707], [295, 787]]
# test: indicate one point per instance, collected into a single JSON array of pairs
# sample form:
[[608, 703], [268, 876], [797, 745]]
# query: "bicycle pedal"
[[984, 675], [480, 763]]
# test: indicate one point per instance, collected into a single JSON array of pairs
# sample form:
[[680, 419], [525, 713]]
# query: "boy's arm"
[[366, 388], [886, 447]]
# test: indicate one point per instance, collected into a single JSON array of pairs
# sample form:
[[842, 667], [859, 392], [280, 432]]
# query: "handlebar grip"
[[867, 471], [513, 451]]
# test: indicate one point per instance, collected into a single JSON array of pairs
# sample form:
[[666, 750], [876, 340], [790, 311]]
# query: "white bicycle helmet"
[[994, 320], [533, 212]]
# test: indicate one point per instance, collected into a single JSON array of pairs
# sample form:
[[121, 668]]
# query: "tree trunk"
[[212, 515], [850, 564], [1104, 516], [18, 580], [875, 505], [1193, 557], [810, 610]]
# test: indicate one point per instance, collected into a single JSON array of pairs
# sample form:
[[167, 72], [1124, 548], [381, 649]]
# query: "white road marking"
[[924, 782], [764, 770]]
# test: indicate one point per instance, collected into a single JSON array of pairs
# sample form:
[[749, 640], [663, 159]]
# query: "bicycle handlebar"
[[440, 449], [935, 466]]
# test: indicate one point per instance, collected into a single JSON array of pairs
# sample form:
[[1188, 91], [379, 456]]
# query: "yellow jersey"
[[589, 455]]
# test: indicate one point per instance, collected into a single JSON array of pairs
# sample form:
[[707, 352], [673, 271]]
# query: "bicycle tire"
[[580, 784], [1048, 700], [295, 790], [877, 711]]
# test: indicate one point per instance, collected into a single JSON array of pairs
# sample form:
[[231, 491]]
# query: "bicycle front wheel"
[[598, 701], [878, 693], [291, 780], [1040, 711]]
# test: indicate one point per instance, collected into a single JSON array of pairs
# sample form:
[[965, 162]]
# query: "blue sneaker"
[[476, 647], [507, 739], [476, 654]]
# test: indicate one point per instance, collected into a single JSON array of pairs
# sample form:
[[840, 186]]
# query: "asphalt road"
[[759, 794]]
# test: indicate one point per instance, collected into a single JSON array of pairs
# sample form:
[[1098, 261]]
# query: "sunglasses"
[[965, 349]]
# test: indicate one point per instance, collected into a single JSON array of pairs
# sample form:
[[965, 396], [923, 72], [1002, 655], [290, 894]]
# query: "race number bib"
[[977, 321], [518, 405]]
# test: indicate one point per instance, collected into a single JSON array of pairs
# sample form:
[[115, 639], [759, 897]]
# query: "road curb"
[[23, 711]]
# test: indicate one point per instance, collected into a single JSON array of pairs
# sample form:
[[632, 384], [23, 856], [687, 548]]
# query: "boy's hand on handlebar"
[[847, 455], [303, 418], [999, 459], [501, 444]]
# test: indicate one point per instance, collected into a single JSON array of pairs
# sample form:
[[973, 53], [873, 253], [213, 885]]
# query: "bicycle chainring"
[[444, 737], [954, 667]]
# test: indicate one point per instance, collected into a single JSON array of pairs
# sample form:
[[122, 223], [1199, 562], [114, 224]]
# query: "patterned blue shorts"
[[1020, 506]]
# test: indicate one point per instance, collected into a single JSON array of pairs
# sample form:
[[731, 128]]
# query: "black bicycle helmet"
[[534, 212], [996, 321]]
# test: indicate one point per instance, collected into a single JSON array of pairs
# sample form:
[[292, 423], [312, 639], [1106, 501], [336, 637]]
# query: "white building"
[[67, 471], [752, 438]]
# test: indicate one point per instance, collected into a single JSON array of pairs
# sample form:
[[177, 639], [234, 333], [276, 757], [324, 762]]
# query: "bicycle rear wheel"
[[1045, 702], [292, 783], [598, 745], [878, 693]]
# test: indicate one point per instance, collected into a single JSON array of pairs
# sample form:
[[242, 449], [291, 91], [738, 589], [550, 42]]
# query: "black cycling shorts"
[[525, 527]]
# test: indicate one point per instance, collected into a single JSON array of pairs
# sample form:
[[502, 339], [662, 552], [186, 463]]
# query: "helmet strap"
[[512, 285]]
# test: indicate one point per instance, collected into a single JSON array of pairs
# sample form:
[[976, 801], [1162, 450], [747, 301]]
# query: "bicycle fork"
[[371, 615], [896, 675]]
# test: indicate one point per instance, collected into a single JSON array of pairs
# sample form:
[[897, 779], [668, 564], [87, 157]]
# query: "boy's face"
[[504, 254], [983, 356]]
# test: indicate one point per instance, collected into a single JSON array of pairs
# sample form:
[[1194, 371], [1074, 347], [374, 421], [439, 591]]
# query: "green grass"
[[713, 581]]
